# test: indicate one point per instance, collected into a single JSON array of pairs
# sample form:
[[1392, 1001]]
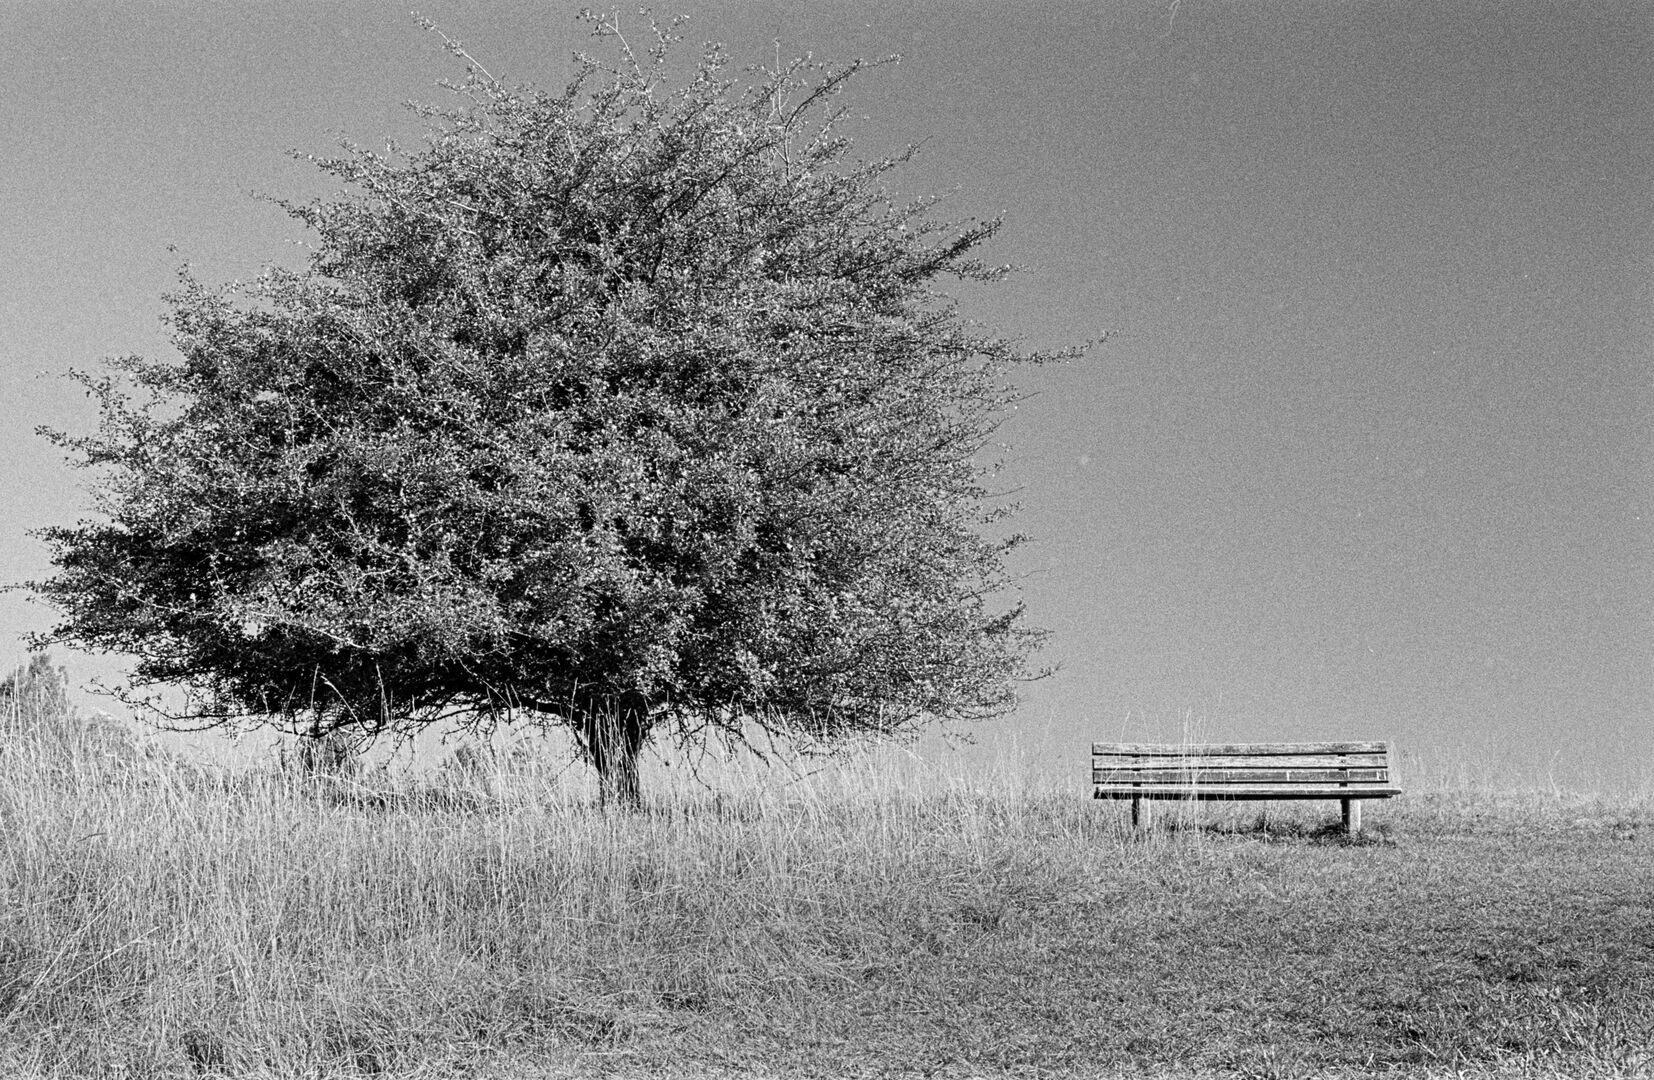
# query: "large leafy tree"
[[628, 408]]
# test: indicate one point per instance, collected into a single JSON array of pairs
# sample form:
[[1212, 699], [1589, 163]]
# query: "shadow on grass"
[[1284, 830]]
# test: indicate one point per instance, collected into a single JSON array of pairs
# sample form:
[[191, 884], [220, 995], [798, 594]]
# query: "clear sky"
[[1370, 454]]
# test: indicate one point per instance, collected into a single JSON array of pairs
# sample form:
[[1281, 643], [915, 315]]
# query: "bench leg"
[[1352, 816], [1141, 815]]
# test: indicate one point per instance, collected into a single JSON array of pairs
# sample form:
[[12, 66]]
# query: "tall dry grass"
[[162, 918]]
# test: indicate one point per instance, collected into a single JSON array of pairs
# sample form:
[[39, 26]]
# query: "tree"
[[627, 409]]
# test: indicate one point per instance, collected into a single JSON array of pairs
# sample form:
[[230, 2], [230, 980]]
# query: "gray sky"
[[1369, 456]]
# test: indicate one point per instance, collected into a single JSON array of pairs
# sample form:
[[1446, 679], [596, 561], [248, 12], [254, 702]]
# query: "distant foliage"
[[329, 755], [627, 408], [36, 694], [38, 720]]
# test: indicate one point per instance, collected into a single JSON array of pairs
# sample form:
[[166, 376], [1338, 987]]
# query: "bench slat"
[[1249, 749], [1239, 761], [1161, 775], [1246, 791]]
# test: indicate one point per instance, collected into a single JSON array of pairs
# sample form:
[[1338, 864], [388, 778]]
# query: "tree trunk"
[[613, 731]]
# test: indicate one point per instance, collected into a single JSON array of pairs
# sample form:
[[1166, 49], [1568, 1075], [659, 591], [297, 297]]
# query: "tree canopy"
[[632, 408]]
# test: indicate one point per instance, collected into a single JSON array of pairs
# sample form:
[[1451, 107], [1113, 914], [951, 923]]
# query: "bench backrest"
[[1305, 770]]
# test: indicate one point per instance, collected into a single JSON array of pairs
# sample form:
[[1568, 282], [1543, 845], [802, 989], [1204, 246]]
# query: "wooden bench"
[[1346, 771]]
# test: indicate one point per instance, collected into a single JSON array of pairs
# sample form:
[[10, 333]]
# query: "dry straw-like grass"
[[873, 917]]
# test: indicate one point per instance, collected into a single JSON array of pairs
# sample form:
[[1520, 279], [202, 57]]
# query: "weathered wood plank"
[[1237, 776], [1244, 791], [1240, 761], [1197, 749]]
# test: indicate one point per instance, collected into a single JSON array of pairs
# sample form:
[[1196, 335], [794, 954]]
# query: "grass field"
[[872, 919]]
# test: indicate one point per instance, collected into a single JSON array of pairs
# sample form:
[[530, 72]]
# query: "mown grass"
[[874, 919]]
